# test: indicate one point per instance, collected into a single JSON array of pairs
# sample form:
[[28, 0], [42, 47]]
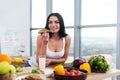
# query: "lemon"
[[18, 59], [59, 69], [86, 66]]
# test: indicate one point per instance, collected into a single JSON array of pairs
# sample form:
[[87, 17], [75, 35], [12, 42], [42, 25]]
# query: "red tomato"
[[65, 70], [78, 73], [67, 73], [72, 73], [42, 72]]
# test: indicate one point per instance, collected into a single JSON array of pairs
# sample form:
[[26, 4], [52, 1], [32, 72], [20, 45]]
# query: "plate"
[[20, 77], [48, 72]]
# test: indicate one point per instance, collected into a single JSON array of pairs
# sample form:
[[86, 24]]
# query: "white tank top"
[[59, 54]]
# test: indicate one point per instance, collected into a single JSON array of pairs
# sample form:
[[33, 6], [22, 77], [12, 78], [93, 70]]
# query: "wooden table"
[[93, 76], [100, 76]]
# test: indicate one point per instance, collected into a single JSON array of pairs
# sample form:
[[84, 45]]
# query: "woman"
[[54, 45]]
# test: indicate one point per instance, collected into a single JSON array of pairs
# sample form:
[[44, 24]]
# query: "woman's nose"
[[53, 23]]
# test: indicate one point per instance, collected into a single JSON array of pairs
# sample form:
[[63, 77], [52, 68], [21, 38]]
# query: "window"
[[65, 9], [38, 13], [97, 28], [101, 37], [100, 40], [99, 12]]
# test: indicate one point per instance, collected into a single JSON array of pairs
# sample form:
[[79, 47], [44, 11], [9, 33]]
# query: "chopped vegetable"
[[37, 71]]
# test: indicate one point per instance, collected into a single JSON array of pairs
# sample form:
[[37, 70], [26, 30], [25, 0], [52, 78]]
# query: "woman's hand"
[[45, 37], [48, 61]]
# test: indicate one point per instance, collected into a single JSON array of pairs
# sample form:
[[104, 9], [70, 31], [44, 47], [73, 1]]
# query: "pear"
[[4, 67]]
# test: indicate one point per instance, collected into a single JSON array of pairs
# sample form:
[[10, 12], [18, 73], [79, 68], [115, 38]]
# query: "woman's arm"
[[66, 52], [42, 41]]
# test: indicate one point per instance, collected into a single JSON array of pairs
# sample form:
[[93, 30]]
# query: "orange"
[[5, 57], [59, 69]]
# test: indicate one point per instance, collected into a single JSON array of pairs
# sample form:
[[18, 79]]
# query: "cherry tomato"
[[42, 72], [65, 70], [72, 73], [78, 73], [67, 73]]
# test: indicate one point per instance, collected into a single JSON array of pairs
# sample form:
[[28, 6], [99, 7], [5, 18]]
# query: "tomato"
[[72, 73], [67, 73], [78, 73], [42, 72], [65, 70]]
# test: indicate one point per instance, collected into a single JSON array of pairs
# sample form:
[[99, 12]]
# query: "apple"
[[4, 67], [12, 69]]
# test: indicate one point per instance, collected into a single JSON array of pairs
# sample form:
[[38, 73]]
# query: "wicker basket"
[[68, 77], [6, 77]]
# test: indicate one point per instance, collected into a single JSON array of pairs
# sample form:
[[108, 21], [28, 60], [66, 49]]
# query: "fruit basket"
[[83, 76]]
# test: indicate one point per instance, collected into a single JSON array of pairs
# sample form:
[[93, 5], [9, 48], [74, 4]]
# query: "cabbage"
[[78, 61], [98, 64]]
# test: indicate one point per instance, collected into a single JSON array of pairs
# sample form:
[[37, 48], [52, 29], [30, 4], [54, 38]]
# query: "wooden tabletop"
[[92, 76], [101, 76]]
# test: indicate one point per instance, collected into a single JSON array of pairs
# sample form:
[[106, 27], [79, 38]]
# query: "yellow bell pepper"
[[59, 69], [86, 66], [18, 59]]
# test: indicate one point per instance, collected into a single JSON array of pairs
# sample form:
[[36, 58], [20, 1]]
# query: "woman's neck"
[[55, 37]]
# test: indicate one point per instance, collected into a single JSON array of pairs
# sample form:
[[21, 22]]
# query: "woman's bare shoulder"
[[68, 37]]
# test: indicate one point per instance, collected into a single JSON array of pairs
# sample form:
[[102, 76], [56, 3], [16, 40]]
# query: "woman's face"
[[53, 24]]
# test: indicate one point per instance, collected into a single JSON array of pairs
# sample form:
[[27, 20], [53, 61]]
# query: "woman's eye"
[[56, 21], [51, 22]]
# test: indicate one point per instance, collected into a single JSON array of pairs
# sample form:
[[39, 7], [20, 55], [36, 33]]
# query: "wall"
[[15, 26]]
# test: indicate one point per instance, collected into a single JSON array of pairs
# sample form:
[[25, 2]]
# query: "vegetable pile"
[[81, 63], [68, 71], [98, 64]]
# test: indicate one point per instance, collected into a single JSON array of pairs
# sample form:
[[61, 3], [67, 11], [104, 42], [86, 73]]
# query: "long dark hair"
[[62, 32]]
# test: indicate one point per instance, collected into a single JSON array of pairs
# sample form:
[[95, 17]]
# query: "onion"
[[77, 62]]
